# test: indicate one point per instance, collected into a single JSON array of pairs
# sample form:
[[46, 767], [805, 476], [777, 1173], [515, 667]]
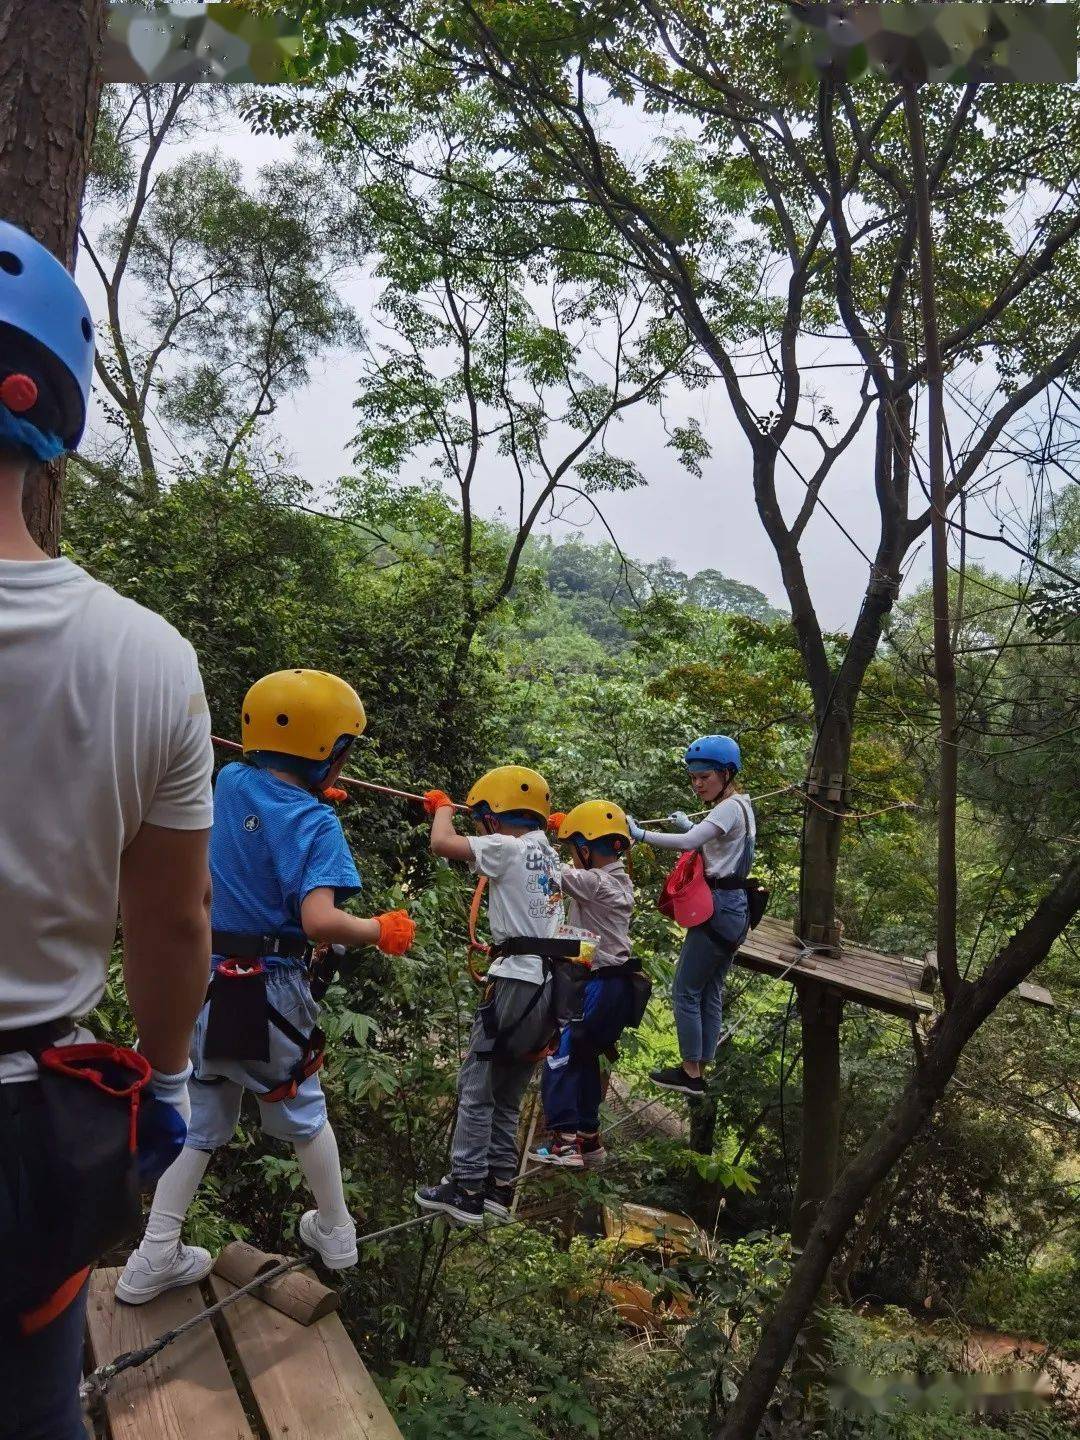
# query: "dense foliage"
[[597, 676]]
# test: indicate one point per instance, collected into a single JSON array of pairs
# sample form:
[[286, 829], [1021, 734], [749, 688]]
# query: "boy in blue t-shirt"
[[281, 867]]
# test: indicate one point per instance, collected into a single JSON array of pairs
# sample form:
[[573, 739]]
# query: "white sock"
[[322, 1170], [174, 1194]]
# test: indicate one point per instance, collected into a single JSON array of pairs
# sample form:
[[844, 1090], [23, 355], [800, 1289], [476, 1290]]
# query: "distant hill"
[[595, 583]]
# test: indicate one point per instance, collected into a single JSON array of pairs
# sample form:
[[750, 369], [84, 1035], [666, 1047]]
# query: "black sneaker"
[[674, 1077], [498, 1198], [451, 1198]]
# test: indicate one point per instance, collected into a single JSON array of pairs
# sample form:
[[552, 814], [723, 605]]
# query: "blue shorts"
[[217, 1086]]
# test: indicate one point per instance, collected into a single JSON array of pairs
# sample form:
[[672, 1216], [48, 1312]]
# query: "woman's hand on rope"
[[436, 800], [680, 821], [396, 932], [637, 832]]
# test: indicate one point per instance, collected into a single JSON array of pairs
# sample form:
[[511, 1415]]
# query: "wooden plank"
[[1035, 994], [308, 1382], [881, 982], [184, 1392], [880, 992]]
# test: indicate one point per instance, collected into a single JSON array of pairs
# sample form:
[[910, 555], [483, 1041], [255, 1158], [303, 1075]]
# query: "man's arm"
[[165, 913]]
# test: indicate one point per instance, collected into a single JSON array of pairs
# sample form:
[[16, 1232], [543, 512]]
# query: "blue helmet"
[[46, 340], [718, 750]]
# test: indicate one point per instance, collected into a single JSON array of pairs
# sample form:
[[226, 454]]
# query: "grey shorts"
[[217, 1086]]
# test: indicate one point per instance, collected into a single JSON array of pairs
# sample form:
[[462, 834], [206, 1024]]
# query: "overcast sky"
[[699, 524]]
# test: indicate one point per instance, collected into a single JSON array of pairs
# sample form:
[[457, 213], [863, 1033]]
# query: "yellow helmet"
[[512, 787], [301, 712], [593, 820]]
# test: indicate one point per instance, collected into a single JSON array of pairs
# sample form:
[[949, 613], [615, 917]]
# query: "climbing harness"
[[567, 962], [755, 890], [240, 1013], [640, 986], [561, 994]]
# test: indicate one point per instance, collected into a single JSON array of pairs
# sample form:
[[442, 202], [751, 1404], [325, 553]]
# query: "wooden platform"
[[259, 1374], [881, 982]]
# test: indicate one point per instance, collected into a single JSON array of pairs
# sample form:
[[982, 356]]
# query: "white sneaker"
[[336, 1248], [141, 1281]]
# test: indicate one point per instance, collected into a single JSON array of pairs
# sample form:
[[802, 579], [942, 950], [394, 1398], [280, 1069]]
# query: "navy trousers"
[[571, 1082], [40, 1373]]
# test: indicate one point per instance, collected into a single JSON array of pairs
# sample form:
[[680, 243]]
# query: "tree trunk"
[[821, 1106], [972, 1007], [944, 664], [50, 84]]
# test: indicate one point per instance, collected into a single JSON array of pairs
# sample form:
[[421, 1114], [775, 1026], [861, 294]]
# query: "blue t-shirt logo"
[[251, 823]]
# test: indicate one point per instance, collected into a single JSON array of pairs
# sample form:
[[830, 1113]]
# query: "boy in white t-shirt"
[[515, 1020]]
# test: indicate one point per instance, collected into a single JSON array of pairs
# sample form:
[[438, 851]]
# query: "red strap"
[[475, 946], [239, 969], [52, 1308], [309, 1065], [82, 1062]]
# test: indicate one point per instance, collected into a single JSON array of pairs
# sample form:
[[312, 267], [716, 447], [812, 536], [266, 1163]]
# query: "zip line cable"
[[348, 779], [659, 820]]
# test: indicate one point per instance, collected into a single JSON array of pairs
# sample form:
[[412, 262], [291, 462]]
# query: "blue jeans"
[[697, 996], [571, 1082], [39, 1374]]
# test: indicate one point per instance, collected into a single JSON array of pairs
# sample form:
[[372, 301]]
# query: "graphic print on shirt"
[[544, 882]]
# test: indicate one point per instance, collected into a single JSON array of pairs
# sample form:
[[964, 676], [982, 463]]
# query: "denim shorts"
[[217, 1086]]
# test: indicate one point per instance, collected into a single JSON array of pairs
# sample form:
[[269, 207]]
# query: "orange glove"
[[334, 794], [555, 819], [436, 800], [396, 932]]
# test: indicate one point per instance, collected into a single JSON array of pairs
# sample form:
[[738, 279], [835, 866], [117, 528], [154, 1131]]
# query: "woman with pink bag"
[[723, 846]]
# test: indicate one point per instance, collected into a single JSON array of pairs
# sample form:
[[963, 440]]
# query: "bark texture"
[[50, 85]]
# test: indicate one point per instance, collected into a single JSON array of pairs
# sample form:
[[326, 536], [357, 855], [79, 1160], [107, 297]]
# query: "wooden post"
[[821, 1010]]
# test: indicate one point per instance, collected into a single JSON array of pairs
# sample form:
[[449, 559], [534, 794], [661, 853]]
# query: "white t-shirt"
[[721, 855], [103, 725], [524, 896]]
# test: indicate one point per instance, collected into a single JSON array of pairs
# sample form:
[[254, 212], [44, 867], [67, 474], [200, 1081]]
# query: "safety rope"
[[797, 787], [349, 779], [476, 947]]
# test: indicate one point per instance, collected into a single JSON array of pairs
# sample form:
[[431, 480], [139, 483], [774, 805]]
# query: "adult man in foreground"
[[105, 797]]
